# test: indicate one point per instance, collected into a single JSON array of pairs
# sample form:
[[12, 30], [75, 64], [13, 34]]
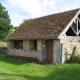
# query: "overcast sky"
[[26, 9]]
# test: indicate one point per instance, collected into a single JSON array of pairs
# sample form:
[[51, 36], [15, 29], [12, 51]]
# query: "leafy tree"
[[5, 25]]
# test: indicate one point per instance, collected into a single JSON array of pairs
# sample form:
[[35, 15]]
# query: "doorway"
[[49, 51]]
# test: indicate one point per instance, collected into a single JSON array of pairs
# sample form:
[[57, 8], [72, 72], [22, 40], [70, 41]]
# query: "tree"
[[5, 25]]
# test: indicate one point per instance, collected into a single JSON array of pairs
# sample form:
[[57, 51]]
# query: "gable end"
[[69, 25]]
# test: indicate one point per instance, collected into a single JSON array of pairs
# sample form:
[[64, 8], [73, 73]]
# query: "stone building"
[[50, 38]]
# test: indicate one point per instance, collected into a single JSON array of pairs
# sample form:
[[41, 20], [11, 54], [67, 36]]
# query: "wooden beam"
[[73, 30], [78, 19], [68, 25], [77, 25]]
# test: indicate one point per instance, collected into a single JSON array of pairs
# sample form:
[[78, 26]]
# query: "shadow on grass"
[[55, 72], [60, 73]]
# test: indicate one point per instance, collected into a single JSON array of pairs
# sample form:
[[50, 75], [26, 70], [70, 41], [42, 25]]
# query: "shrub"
[[74, 57], [21, 58], [3, 50]]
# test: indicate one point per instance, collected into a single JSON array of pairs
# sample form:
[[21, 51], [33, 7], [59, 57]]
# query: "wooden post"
[[77, 25]]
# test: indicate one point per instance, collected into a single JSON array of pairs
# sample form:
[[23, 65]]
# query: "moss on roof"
[[46, 27]]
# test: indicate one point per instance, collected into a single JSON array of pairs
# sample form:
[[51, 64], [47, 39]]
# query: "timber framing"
[[76, 31]]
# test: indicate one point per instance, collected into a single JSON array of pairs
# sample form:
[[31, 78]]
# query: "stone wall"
[[57, 52], [63, 48], [40, 54], [41, 46], [68, 44], [10, 44], [61, 51], [44, 50], [3, 50], [25, 52]]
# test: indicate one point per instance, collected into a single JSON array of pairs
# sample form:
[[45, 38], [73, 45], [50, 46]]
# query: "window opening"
[[18, 44]]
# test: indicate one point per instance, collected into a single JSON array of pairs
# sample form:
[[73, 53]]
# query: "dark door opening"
[[49, 51]]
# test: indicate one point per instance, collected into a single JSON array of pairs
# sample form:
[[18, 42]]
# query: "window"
[[33, 45], [18, 44]]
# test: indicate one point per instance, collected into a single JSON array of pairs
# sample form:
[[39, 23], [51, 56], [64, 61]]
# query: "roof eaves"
[[34, 39]]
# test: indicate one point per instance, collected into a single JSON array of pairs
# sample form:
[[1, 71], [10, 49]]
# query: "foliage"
[[10, 31], [3, 47], [22, 58], [3, 43], [73, 53], [3, 50], [5, 25], [11, 69], [15, 27], [74, 57]]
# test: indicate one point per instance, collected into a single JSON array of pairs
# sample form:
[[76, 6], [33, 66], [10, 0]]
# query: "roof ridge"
[[55, 14]]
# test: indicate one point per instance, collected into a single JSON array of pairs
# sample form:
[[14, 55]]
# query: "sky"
[[20, 10]]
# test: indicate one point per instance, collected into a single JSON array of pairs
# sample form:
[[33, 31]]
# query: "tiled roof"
[[46, 27]]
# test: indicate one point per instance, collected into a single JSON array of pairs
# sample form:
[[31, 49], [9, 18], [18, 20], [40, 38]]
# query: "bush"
[[3, 50], [21, 58], [75, 59]]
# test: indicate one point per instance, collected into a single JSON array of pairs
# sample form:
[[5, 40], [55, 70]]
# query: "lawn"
[[11, 69], [3, 44]]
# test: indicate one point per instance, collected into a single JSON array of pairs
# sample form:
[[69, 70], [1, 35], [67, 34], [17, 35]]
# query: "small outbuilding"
[[49, 39]]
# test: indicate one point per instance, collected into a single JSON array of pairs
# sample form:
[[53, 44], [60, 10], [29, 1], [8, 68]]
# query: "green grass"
[[11, 69], [3, 44]]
